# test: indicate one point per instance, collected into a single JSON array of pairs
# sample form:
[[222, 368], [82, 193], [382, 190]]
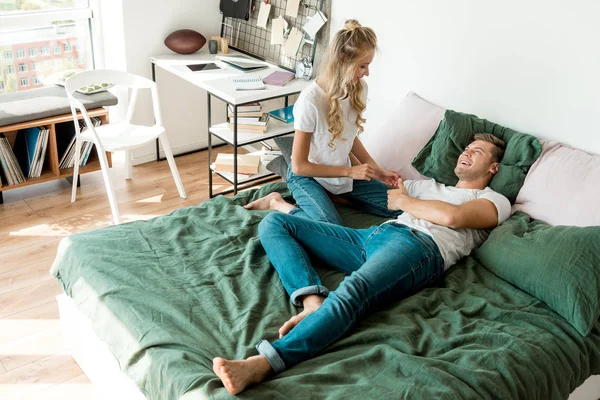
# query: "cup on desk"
[[213, 46]]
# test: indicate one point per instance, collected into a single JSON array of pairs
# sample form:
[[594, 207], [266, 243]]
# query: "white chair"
[[120, 136]]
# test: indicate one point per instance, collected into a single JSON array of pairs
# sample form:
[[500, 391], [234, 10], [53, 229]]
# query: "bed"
[[149, 304], [167, 295]]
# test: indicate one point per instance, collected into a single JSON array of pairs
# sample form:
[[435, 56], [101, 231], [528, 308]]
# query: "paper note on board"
[[314, 23], [293, 42], [278, 25], [263, 15], [291, 8]]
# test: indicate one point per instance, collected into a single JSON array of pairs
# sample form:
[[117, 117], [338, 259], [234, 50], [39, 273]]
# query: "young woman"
[[328, 158]]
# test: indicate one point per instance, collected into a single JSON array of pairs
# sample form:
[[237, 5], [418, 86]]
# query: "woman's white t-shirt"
[[311, 115]]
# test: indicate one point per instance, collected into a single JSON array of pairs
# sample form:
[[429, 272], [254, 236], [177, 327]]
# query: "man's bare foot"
[[237, 375], [272, 201], [311, 304]]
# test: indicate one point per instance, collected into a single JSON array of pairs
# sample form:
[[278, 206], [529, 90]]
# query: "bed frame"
[[102, 369]]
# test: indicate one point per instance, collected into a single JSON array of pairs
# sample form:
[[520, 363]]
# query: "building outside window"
[[1, 85], [58, 30]]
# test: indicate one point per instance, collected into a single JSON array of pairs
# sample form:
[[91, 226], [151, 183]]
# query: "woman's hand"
[[362, 172], [388, 177]]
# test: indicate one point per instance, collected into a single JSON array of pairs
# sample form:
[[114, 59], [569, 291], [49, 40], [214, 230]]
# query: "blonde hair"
[[336, 77]]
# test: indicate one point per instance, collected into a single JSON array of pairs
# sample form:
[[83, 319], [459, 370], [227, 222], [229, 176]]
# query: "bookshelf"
[[50, 169]]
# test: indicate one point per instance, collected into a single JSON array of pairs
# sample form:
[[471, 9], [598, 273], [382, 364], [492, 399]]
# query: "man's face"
[[476, 161]]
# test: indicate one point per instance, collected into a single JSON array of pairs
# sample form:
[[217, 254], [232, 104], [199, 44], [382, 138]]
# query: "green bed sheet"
[[169, 294]]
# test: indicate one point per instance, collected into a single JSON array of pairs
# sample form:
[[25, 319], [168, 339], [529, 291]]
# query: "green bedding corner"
[[169, 294]]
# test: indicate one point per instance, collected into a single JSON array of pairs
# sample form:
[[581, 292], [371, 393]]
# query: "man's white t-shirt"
[[311, 115], [453, 243]]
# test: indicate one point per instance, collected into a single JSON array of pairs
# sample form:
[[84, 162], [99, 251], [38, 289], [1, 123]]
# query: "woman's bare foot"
[[272, 201], [237, 375], [311, 304]]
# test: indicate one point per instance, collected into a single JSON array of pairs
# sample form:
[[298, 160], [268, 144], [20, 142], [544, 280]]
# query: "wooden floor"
[[34, 363]]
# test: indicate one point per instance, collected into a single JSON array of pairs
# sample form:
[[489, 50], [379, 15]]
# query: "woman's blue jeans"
[[384, 264], [313, 201]]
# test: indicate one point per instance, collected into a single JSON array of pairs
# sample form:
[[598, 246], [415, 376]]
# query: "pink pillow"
[[400, 139], [562, 187]]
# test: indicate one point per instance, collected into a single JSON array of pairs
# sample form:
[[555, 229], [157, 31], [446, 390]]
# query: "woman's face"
[[362, 69]]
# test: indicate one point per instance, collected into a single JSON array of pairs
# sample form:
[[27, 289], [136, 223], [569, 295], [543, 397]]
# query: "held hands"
[[395, 196], [363, 172], [390, 178]]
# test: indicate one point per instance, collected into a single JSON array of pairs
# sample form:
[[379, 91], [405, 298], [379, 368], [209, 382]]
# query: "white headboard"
[[532, 65]]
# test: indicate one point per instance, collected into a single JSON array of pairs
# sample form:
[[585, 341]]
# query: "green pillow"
[[95, 88], [438, 158], [559, 265]]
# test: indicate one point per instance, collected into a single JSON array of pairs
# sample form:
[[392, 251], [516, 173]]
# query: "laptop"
[[243, 64]]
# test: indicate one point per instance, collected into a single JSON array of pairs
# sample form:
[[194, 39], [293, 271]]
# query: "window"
[[36, 81], [48, 28], [1, 85]]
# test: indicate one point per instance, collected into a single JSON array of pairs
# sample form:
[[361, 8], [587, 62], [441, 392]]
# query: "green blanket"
[[169, 294]]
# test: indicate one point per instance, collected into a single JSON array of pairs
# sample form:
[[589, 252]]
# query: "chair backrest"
[[122, 78]]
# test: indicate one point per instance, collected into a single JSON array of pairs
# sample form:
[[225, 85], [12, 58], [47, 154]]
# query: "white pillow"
[[562, 187], [401, 138]]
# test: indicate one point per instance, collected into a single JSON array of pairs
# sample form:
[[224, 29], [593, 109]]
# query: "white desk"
[[217, 84]]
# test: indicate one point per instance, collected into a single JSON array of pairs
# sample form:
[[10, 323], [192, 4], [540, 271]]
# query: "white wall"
[[532, 65], [133, 31]]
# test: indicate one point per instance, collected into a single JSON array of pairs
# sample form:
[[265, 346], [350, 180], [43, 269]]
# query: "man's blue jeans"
[[313, 201], [385, 263]]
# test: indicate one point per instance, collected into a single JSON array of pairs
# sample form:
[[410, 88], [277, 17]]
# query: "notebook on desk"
[[247, 82]]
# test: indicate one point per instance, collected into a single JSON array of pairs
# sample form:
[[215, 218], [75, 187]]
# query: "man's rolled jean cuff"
[[264, 347], [315, 289]]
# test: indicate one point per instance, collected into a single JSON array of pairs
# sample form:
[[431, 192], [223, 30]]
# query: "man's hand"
[[387, 176], [363, 172], [396, 196]]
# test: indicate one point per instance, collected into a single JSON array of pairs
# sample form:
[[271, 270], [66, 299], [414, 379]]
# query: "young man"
[[385, 263]]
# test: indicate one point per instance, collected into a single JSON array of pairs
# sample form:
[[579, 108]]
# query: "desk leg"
[[235, 149], [154, 80], [286, 100], [210, 174], [1, 198]]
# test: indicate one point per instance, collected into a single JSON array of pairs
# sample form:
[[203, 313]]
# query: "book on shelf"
[[30, 150], [261, 120], [67, 144], [254, 114], [285, 114], [9, 162], [246, 163], [279, 78], [250, 107]]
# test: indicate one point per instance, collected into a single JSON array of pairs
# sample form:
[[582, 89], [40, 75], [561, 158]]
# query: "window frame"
[[26, 84]]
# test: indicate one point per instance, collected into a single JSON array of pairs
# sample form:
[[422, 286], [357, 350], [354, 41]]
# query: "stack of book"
[[246, 163], [257, 122], [68, 157], [10, 165]]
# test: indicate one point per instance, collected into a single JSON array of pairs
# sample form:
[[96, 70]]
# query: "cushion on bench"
[[46, 102]]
